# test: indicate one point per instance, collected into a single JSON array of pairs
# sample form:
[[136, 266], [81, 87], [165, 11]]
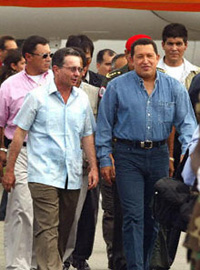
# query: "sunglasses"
[[43, 55]]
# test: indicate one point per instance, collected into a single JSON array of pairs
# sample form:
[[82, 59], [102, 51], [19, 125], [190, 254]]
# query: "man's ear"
[[28, 56], [158, 57], [130, 58], [186, 45], [55, 68], [13, 66], [97, 65]]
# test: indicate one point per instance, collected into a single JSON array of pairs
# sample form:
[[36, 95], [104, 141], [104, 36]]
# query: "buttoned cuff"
[[105, 162]]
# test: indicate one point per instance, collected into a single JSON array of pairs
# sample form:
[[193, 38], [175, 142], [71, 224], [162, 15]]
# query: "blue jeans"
[[137, 170]]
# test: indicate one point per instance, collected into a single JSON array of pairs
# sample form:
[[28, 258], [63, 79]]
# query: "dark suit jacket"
[[95, 79], [194, 90]]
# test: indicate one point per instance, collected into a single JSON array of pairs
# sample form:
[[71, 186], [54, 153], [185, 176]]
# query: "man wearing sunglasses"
[[19, 214]]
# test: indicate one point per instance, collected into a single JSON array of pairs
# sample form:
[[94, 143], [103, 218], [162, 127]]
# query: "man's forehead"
[[107, 56], [143, 48], [174, 39], [72, 59], [10, 44], [41, 48]]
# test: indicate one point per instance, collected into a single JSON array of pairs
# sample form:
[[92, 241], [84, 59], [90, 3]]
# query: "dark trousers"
[[87, 226], [108, 218], [119, 261], [137, 170], [3, 205]]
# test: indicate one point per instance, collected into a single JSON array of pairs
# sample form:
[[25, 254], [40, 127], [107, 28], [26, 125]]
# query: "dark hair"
[[59, 55], [143, 41], [29, 45], [174, 30], [101, 53], [82, 55], [13, 56], [81, 41], [116, 57], [3, 40]]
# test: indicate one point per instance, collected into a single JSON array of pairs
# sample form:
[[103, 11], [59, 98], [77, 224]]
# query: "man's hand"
[[8, 181], [108, 173], [93, 178], [171, 168]]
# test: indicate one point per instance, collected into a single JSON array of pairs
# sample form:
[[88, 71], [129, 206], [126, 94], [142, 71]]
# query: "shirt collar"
[[188, 67], [27, 75], [53, 89], [43, 74], [141, 81]]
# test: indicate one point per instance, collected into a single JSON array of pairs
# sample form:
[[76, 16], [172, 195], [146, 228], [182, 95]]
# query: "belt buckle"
[[146, 144]]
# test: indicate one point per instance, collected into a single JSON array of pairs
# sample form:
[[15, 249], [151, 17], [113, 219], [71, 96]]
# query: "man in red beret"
[[111, 75]]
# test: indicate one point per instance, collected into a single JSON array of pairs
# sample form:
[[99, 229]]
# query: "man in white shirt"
[[175, 43]]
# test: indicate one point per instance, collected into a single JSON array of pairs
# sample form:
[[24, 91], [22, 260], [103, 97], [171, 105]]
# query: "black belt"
[[7, 142], [141, 144]]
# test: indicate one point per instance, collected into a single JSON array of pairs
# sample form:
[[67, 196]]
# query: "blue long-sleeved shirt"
[[128, 112]]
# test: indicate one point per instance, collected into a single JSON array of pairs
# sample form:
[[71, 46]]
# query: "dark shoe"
[[66, 265], [81, 265]]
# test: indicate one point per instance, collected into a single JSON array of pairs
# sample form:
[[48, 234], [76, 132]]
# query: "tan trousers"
[[18, 228], [72, 236], [54, 211]]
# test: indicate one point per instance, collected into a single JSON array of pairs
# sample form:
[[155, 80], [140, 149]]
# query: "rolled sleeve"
[[4, 111], [90, 125]]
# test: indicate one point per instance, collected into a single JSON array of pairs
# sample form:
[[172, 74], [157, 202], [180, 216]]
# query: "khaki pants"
[[18, 228], [71, 243], [54, 211]]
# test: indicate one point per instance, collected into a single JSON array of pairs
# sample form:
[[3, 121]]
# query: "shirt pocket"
[[55, 121], [76, 121], [166, 111]]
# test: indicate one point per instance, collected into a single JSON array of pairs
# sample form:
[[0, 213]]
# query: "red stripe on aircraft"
[[168, 5]]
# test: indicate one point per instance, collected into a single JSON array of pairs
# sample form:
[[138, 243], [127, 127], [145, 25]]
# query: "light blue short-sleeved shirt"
[[55, 133]]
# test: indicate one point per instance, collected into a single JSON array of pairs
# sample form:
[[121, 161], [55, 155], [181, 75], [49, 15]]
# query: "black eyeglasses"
[[43, 55], [74, 69]]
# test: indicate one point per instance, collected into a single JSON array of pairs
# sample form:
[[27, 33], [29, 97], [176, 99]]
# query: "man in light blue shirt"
[[135, 119], [60, 122]]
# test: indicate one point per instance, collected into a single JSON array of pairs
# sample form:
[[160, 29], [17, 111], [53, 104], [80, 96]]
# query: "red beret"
[[132, 39]]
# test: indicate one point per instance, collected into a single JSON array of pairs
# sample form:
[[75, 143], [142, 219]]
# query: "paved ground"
[[98, 260]]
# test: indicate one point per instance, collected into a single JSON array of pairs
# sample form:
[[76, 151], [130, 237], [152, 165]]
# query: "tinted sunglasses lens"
[[46, 55]]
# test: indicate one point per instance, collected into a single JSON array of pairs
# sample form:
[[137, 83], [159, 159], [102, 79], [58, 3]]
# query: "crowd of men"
[[68, 134]]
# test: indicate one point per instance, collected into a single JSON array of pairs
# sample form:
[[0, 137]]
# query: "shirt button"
[[148, 127], [149, 114]]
